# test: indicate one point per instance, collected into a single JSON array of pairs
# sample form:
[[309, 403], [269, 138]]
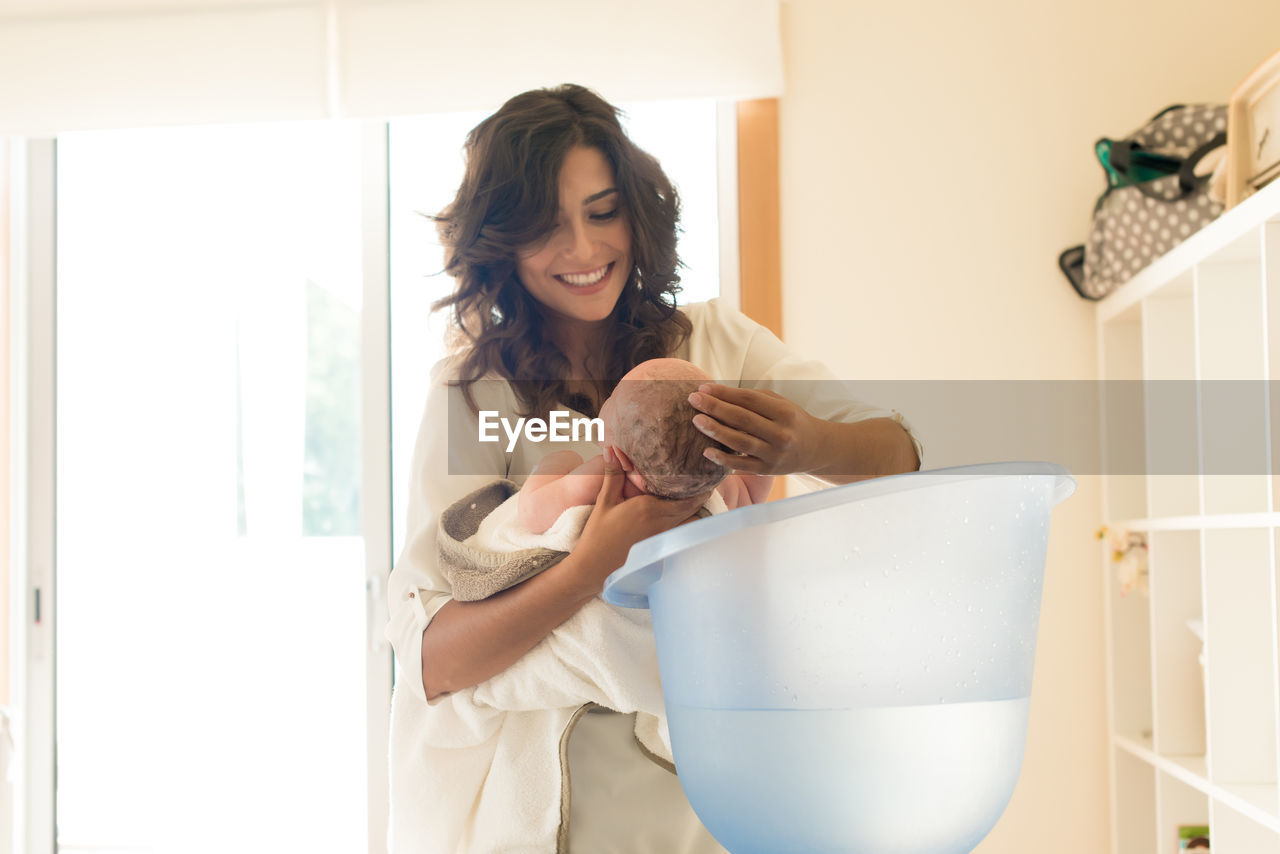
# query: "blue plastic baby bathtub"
[[850, 670]]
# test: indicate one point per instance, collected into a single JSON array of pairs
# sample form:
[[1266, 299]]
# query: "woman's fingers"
[[775, 435], [769, 404], [611, 486], [738, 462], [744, 418], [737, 440]]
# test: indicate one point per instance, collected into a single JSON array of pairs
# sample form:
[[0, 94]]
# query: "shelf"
[[1258, 802], [1191, 427], [1216, 521], [1139, 746], [1222, 235], [1192, 770]]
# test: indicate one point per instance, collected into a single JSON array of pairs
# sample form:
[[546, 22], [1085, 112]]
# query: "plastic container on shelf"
[[850, 670]]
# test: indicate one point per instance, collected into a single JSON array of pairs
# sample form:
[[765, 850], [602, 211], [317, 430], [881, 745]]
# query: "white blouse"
[[620, 800]]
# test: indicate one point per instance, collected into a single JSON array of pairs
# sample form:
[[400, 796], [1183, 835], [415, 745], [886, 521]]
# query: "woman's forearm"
[[468, 642], [870, 448]]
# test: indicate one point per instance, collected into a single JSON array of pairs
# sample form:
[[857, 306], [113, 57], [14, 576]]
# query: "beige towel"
[[477, 572], [483, 549]]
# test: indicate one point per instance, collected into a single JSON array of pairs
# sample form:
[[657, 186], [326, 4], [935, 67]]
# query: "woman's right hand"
[[617, 523]]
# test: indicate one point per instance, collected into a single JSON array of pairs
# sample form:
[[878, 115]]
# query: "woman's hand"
[[770, 434], [617, 523]]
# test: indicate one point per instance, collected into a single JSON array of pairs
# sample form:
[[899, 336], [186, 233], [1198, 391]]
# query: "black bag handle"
[[1071, 263], [1188, 181]]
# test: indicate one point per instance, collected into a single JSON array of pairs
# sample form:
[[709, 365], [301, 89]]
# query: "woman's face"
[[579, 269]]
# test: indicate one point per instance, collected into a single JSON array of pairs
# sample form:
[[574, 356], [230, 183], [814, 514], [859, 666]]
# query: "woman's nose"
[[579, 246]]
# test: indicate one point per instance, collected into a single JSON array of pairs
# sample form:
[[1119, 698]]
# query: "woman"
[[562, 241]]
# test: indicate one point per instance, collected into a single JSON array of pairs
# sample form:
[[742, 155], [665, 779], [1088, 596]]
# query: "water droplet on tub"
[[991, 527], [886, 572]]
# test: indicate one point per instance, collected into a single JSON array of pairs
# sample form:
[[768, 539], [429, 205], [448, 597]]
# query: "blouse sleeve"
[[767, 363], [444, 469]]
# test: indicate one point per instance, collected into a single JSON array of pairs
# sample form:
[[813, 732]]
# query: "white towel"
[[501, 530], [499, 749]]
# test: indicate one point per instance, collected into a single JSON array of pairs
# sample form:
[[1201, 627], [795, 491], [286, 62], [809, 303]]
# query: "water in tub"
[[938, 767]]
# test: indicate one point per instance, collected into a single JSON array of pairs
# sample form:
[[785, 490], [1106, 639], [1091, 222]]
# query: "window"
[[210, 578]]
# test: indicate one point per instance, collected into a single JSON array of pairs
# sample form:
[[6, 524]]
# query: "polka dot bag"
[[1154, 198]]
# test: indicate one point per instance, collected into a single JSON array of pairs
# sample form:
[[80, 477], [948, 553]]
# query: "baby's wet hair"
[[662, 442]]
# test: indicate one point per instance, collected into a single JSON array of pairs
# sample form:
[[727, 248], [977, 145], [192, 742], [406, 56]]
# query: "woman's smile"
[[589, 282]]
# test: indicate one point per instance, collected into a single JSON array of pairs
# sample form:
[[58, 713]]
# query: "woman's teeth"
[[584, 279]]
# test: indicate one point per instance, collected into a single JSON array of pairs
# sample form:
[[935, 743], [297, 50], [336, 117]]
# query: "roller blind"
[[87, 64]]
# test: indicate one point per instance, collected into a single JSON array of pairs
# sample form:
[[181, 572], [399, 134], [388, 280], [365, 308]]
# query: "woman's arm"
[[468, 642], [863, 449]]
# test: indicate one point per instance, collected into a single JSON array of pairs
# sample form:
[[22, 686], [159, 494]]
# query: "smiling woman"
[[561, 239]]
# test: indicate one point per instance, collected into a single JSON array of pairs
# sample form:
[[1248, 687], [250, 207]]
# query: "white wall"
[[935, 160]]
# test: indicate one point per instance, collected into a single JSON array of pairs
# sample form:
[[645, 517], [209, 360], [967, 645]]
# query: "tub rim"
[[628, 586]]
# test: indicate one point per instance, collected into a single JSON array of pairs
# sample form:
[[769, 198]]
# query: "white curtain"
[[87, 64]]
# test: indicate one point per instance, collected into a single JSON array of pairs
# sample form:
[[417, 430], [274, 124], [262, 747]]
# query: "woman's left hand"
[[770, 434]]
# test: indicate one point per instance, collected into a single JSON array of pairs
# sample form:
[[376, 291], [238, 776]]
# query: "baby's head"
[[649, 419]]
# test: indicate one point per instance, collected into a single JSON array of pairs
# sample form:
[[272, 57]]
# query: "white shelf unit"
[[1188, 444]]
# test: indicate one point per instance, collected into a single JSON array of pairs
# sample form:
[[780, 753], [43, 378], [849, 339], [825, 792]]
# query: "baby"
[[649, 422]]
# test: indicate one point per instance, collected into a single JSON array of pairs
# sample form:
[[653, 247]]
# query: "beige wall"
[[935, 158]]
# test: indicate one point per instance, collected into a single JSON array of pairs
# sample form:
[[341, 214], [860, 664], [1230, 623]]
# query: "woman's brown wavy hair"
[[510, 198]]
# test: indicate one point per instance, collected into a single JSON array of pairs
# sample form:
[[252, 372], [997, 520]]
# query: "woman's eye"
[[604, 217]]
